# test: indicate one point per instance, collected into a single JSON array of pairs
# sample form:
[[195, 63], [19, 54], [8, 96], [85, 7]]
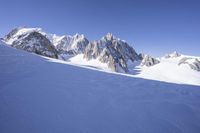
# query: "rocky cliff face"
[[173, 55], [193, 63], [149, 61], [116, 53], [32, 41], [10, 35], [113, 51], [72, 45]]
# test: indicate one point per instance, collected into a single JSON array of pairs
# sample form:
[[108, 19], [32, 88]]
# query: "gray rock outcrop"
[[149, 61], [193, 63], [173, 55], [32, 42], [113, 51], [72, 45]]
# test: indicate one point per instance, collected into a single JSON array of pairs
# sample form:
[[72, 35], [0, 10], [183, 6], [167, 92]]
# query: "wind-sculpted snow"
[[38, 95]]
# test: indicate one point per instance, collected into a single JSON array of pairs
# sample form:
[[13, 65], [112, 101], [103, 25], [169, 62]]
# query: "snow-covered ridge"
[[170, 70], [193, 63], [20, 31], [110, 50], [32, 40], [107, 54]]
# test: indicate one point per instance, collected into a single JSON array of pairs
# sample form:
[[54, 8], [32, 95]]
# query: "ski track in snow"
[[40, 95]]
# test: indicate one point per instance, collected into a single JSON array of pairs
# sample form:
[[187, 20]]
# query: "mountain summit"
[[32, 40], [109, 53], [117, 54]]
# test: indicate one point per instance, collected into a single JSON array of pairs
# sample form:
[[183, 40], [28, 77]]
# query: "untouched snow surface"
[[93, 63], [41, 96], [167, 70]]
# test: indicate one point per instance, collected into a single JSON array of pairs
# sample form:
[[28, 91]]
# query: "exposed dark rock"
[[115, 52], [173, 55], [193, 63], [72, 45], [149, 61], [33, 42]]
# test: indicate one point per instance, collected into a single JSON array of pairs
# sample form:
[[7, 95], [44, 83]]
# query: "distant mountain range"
[[109, 54]]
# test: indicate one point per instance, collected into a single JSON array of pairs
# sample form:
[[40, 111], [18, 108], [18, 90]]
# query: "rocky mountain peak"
[[78, 36], [172, 55], [32, 40], [192, 62], [11, 34], [149, 61], [71, 45], [109, 36], [115, 52]]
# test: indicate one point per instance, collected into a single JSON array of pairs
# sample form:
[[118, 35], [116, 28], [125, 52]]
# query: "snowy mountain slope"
[[38, 95], [114, 52], [21, 31], [93, 63], [109, 54], [32, 40], [192, 62], [64, 44], [169, 70]]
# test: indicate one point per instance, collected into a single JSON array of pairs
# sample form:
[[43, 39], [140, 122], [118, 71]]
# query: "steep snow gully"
[[41, 96]]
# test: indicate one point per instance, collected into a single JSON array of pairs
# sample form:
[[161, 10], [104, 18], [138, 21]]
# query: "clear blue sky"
[[154, 27]]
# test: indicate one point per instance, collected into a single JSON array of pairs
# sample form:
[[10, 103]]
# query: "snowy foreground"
[[39, 95]]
